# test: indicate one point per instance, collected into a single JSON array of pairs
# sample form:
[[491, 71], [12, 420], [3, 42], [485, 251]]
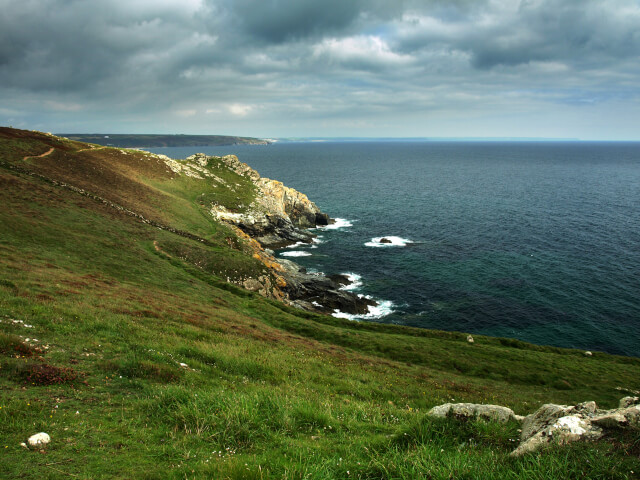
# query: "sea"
[[537, 241]]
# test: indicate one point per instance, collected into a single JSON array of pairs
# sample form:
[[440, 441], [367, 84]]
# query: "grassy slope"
[[268, 391]]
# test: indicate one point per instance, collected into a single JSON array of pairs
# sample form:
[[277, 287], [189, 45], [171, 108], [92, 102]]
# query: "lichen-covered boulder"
[[549, 413], [563, 424], [629, 401], [558, 424], [472, 411], [563, 430], [619, 418]]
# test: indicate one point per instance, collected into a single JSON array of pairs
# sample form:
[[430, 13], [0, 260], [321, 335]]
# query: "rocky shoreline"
[[278, 217]]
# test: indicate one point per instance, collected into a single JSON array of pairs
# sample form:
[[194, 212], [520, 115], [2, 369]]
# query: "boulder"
[[629, 401], [563, 430], [563, 424], [549, 413], [559, 424], [618, 418], [471, 411], [39, 440], [385, 240], [470, 339]]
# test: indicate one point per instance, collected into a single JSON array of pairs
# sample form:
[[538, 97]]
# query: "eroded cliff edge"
[[276, 216]]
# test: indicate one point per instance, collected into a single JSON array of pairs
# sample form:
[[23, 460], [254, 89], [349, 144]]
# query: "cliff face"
[[276, 217], [288, 202]]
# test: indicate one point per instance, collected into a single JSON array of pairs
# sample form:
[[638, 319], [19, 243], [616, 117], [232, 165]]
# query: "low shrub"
[[37, 373]]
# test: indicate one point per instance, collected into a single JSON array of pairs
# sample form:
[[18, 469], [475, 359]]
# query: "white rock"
[[473, 410], [571, 423], [38, 440], [469, 339], [588, 353]]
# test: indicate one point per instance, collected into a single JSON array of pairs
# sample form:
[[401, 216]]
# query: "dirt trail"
[[48, 152]]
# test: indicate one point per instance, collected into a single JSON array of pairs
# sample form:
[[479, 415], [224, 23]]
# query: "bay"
[[534, 241]]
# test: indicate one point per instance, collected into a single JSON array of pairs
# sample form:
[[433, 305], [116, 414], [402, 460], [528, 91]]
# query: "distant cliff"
[[151, 141]]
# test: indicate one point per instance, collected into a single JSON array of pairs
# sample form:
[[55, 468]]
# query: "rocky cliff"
[[278, 216], [278, 213]]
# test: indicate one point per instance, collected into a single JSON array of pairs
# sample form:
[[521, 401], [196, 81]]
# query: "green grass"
[[147, 364]]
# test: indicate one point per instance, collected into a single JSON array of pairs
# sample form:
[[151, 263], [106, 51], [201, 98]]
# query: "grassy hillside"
[[119, 338]]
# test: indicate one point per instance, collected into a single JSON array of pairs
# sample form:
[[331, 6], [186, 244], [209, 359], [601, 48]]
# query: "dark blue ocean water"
[[535, 241]]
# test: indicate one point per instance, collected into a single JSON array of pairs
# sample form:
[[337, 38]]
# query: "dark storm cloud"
[[279, 20], [69, 45], [263, 61], [512, 33]]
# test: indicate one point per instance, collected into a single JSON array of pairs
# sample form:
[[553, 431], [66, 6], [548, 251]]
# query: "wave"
[[313, 244], [295, 253], [355, 281], [297, 244], [390, 241], [338, 223], [382, 309]]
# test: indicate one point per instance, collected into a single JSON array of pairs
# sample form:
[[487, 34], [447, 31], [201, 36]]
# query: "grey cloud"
[[577, 32], [277, 21], [568, 31], [68, 45], [282, 59]]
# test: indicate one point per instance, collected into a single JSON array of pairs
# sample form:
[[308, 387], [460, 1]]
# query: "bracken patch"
[[45, 374]]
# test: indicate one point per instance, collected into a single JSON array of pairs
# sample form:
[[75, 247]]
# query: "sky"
[[330, 68]]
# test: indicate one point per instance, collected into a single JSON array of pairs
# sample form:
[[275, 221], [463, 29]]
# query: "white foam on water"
[[355, 281], [393, 242], [317, 240], [295, 253], [339, 223], [297, 244], [303, 244], [382, 309]]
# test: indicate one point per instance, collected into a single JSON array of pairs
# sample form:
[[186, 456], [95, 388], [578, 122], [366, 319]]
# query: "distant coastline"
[[156, 140]]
